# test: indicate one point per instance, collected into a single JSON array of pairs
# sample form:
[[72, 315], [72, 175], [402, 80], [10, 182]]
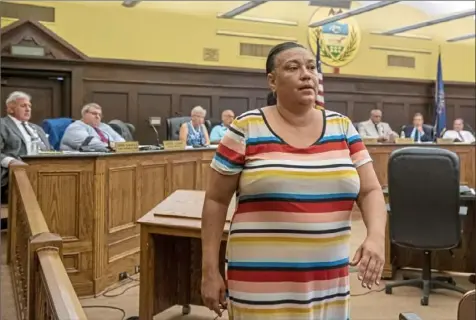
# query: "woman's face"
[[294, 78], [198, 118]]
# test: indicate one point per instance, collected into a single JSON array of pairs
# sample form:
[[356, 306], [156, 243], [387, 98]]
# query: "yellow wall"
[[178, 32]]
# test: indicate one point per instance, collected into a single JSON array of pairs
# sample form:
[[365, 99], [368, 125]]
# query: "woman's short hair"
[[88, 107], [198, 110]]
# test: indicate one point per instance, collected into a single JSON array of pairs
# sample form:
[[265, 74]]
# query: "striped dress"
[[288, 248]]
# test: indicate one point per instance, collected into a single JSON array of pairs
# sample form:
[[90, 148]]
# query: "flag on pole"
[[320, 77], [440, 119]]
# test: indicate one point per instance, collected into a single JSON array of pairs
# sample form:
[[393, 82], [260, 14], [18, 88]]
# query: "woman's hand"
[[214, 292], [370, 257]]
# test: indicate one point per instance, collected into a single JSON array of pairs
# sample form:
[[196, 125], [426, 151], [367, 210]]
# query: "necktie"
[[460, 136], [417, 135], [101, 135], [376, 128], [33, 136]]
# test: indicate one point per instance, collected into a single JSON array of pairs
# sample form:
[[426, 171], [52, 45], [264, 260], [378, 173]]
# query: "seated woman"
[[194, 132]]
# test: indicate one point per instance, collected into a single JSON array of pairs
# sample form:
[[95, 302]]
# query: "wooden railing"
[[41, 285]]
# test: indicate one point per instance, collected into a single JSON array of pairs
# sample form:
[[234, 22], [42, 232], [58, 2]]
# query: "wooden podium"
[[171, 253]]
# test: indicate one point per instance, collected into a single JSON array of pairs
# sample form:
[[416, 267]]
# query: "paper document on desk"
[[466, 189]]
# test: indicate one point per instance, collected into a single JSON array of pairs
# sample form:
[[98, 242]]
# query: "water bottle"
[[402, 135], [35, 145]]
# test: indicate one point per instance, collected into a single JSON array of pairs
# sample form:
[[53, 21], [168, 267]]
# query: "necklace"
[[193, 129]]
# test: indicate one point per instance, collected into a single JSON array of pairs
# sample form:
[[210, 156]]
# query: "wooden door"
[[46, 95]]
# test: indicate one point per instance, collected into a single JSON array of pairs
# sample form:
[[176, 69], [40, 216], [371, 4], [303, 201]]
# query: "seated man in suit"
[[18, 137], [418, 132], [90, 132], [219, 131], [375, 128], [458, 134]]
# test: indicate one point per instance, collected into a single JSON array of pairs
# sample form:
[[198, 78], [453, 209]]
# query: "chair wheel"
[[388, 290], [186, 309], [424, 301]]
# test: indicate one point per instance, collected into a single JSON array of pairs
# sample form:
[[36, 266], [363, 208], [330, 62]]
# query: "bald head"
[[376, 116], [227, 117]]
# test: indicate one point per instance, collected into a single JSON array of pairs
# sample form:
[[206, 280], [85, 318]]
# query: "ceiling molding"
[[462, 38], [254, 35], [267, 20], [353, 12], [406, 35], [431, 22]]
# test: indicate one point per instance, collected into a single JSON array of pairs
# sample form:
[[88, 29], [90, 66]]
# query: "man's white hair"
[[89, 106], [199, 110], [14, 96]]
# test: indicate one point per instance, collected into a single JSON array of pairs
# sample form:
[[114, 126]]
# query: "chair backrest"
[[55, 128], [431, 129], [121, 128], [210, 124], [467, 306], [423, 184], [173, 127]]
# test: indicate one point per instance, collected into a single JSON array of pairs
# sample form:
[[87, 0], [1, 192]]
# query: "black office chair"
[[423, 185], [210, 124], [123, 129], [173, 127]]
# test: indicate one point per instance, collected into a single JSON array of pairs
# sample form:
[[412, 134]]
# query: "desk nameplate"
[[404, 141], [127, 146], [444, 141], [370, 140], [174, 145]]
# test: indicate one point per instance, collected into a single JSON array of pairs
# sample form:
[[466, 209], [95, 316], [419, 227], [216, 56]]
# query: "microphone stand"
[[156, 134]]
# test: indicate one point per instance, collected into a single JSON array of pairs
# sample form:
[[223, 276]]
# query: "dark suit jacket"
[[426, 137], [12, 143]]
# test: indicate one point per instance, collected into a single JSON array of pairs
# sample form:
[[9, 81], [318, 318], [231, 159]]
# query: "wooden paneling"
[[93, 202], [133, 91]]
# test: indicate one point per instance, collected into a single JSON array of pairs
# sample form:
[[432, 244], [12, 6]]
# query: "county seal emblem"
[[339, 41]]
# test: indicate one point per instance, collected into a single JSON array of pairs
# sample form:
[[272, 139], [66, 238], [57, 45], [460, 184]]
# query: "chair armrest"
[[408, 316]]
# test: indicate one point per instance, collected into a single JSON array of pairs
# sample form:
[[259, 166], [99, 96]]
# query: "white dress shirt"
[[465, 136], [27, 137]]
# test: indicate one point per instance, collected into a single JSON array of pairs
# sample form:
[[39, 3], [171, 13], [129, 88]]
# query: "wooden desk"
[[93, 201], [399, 257], [171, 254], [463, 259], [380, 154]]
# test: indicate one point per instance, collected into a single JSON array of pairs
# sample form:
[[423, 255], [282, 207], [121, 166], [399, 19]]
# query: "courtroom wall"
[[179, 33], [136, 91]]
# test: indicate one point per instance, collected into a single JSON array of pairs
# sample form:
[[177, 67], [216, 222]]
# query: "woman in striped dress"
[[297, 171]]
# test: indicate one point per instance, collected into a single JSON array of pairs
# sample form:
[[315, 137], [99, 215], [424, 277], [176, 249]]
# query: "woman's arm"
[[371, 201], [370, 256], [183, 134], [219, 193], [205, 134]]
